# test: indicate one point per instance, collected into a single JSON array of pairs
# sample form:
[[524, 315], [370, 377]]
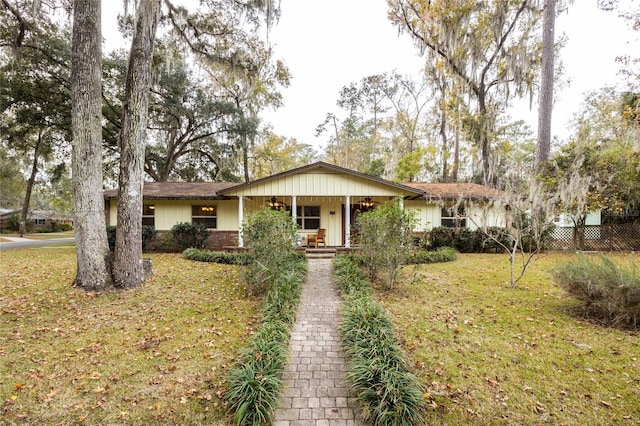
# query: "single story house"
[[318, 195]]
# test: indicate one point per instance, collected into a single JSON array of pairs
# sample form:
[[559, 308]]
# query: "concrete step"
[[320, 253]]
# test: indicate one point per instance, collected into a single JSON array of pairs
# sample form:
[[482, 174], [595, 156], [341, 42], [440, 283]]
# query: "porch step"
[[320, 253]]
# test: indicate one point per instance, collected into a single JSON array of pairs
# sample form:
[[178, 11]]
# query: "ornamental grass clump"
[[254, 386], [442, 254], [378, 371], [611, 292]]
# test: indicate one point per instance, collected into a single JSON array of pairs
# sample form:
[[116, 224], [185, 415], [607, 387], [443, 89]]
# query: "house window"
[[148, 215], [308, 217], [40, 221], [453, 217], [206, 215]]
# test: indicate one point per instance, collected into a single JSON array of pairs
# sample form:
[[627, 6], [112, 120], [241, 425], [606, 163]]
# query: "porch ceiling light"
[[367, 202], [275, 204]]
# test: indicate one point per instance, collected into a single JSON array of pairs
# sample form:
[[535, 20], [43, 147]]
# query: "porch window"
[[308, 217], [206, 215], [453, 217], [148, 215]]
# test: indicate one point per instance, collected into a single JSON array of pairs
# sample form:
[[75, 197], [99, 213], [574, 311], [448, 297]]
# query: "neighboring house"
[[35, 218], [321, 195]]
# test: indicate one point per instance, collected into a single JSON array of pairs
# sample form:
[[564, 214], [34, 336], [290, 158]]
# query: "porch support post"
[[294, 208], [240, 220], [347, 221], [401, 203]]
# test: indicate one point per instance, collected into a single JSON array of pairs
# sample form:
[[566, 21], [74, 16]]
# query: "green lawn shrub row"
[[222, 257], [254, 386], [378, 370], [611, 292], [466, 240], [442, 254]]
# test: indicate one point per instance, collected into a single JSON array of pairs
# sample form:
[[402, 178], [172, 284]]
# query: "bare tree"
[[86, 74]]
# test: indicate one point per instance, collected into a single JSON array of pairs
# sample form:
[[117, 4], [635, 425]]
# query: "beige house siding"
[[427, 214], [316, 184], [170, 212]]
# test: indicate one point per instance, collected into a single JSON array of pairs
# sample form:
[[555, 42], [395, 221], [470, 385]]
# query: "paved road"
[[17, 243]]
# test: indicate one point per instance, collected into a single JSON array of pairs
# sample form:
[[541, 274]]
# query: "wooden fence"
[[621, 237]]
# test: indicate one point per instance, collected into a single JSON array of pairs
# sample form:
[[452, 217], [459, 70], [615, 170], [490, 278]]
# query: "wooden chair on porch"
[[319, 237]]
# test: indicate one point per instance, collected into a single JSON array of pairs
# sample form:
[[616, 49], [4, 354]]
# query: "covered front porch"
[[319, 196], [335, 214]]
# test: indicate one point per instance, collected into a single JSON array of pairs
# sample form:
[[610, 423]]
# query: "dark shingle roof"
[[178, 190], [455, 191]]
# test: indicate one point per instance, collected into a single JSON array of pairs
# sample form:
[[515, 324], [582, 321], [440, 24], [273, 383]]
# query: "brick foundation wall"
[[217, 241]]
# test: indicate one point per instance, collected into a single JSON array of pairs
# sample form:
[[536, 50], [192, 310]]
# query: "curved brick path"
[[315, 390]]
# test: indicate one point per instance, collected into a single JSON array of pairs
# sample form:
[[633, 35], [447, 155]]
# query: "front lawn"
[[156, 355], [487, 354]]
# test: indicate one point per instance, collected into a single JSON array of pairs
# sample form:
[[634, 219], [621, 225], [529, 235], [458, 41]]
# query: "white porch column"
[[294, 208], [240, 220], [347, 221], [401, 203]]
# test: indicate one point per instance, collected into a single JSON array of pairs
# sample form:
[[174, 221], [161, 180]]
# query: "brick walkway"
[[315, 390]]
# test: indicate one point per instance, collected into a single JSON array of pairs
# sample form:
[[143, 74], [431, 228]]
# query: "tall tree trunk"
[[245, 158], [30, 182], [456, 156], [128, 271], [445, 144], [546, 84], [487, 177], [86, 98]]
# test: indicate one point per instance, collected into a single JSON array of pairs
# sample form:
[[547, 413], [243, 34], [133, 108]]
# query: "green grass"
[[156, 355], [488, 354], [44, 235]]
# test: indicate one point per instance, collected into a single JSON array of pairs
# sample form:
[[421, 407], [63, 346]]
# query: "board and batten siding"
[[317, 184], [427, 214]]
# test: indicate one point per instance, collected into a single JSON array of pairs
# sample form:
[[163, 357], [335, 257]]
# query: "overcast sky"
[[329, 44]]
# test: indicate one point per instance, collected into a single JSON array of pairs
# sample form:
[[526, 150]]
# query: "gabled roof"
[[222, 190], [320, 165], [455, 191], [178, 190]]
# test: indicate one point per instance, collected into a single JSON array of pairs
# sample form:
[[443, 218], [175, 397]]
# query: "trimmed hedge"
[[378, 371], [610, 292], [477, 241], [442, 254], [216, 256], [254, 386]]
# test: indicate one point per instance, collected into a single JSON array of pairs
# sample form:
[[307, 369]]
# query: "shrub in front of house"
[[269, 236], [386, 237], [610, 292], [148, 234], [442, 254], [222, 257], [462, 239], [187, 235]]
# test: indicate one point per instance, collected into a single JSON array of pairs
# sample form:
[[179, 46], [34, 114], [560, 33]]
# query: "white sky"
[[330, 44]]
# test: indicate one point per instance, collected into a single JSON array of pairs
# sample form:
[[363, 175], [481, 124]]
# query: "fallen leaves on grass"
[[154, 355]]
